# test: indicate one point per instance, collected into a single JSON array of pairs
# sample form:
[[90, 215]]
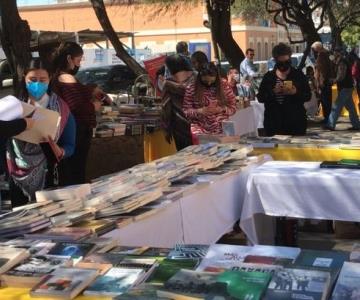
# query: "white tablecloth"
[[200, 217], [301, 190]]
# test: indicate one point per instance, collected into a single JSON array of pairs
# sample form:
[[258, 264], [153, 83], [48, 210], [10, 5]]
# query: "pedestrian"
[[174, 121], [198, 59], [30, 170], [208, 101], [355, 71], [284, 90], [83, 103], [247, 66], [233, 79], [323, 74], [344, 83]]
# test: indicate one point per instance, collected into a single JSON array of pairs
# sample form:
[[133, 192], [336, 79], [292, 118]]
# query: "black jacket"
[[11, 128], [288, 117]]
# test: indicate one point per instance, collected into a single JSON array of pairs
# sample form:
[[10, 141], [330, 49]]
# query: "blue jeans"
[[344, 98]]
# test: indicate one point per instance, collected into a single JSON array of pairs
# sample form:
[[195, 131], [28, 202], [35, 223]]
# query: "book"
[[348, 283], [224, 253], [69, 192], [355, 253], [169, 267], [46, 125], [99, 227], [321, 259], [140, 292], [102, 244], [298, 284], [126, 250], [188, 251], [115, 282], [65, 283], [290, 253], [9, 257], [61, 234], [187, 284], [74, 250], [104, 258], [30, 272]]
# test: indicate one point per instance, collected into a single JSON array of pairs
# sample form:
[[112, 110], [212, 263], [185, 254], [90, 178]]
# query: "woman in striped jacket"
[[208, 101]]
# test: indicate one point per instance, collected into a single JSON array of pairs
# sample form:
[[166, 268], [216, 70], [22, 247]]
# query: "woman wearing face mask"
[[284, 91], [208, 101], [82, 102], [29, 168]]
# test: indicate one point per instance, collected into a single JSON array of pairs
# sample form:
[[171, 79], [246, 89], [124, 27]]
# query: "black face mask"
[[74, 70], [207, 84], [283, 66]]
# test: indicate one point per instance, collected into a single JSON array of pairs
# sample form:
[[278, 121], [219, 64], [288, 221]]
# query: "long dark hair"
[[34, 64], [60, 63], [210, 69]]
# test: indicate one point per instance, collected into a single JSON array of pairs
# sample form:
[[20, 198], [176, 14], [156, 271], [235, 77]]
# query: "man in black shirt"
[[345, 87]]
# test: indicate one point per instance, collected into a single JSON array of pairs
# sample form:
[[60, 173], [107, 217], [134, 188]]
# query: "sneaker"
[[327, 127]]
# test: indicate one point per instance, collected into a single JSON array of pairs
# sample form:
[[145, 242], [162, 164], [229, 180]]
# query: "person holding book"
[[208, 101], [29, 168], [284, 91], [83, 103]]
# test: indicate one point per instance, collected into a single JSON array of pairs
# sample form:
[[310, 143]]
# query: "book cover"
[[169, 267], [66, 283], [205, 285], [321, 259], [62, 233], [219, 267], [275, 251], [348, 283], [104, 258], [74, 250], [140, 292], [224, 253], [39, 265], [115, 282], [188, 251], [298, 284], [10, 257], [126, 250], [156, 252]]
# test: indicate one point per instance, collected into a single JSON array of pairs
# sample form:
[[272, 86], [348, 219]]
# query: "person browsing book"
[[284, 91], [83, 101], [29, 168], [208, 101]]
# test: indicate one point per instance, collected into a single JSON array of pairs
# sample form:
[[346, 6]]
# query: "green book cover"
[[169, 267], [206, 285], [245, 285]]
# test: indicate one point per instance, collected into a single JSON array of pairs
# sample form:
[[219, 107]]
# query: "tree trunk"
[[109, 31], [15, 38], [336, 40], [221, 28]]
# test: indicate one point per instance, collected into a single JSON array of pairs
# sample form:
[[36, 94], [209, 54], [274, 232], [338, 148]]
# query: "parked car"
[[112, 79]]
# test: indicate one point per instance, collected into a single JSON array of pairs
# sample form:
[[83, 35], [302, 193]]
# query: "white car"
[[295, 61]]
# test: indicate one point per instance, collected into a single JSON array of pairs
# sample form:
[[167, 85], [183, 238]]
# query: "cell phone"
[[288, 84]]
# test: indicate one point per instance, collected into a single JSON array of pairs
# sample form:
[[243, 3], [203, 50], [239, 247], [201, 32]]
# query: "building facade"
[[153, 28]]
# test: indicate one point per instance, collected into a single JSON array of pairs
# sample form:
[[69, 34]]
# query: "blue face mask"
[[37, 89]]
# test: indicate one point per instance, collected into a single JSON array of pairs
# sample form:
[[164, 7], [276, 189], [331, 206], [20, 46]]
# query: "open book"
[[46, 124]]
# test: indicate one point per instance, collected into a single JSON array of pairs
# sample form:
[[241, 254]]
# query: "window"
[[258, 54], [266, 50]]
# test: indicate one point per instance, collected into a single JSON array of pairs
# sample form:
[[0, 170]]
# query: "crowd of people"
[[196, 99]]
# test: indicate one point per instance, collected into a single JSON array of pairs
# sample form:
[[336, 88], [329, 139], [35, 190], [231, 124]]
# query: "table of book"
[[202, 215], [299, 190]]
